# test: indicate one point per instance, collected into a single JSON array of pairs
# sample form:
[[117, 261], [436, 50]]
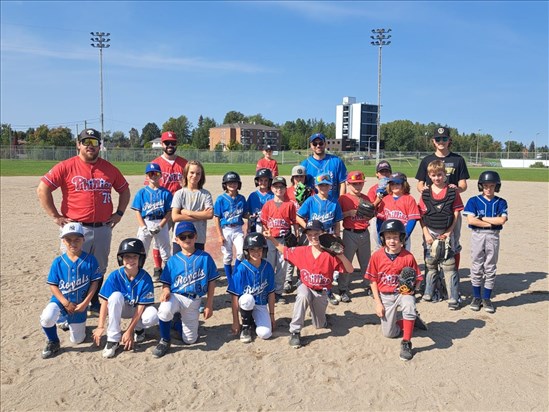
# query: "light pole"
[[478, 138], [536, 146], [100, 41], [509, 144], [379, 39]]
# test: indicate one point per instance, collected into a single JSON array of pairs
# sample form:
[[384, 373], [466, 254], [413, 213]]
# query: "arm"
[[123, 201], [127, 337], [410, 225], [81, 307], [179, 215], [347, 263], [235, 328], [380, 309], [67, 304], [337, 229], [208, 309], [276, 244], [342, 188], [98, 332], [140, 219], [421, 186], [45, 197], [165, 294], [271, 304], [449, 231], [426, 234], [462, 185], [218, 229], [301, 222]]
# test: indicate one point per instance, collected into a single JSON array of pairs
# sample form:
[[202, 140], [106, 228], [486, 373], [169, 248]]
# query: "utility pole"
[[379, 38], [509, 144], [100, 41], [478, 137]]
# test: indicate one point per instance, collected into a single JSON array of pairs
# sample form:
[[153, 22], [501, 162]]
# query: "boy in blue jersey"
[[257, 199], [152, 205], [127, 293], [73, 280], [230, 210], [486, 214], [189, 275], [252, 289]]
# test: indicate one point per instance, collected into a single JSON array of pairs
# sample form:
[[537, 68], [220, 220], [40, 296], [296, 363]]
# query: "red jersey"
[[290, 195], [279, 217], [264, 163], [456, 205], [350, 202], [403, 208], [372, 192], [172, 172], [316, 273], [384, 271], [86, 188]]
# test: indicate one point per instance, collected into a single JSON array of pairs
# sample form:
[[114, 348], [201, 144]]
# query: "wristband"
[[119, 213]]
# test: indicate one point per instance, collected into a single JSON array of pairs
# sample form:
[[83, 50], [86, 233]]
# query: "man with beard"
[[172, 167], [86, 181]]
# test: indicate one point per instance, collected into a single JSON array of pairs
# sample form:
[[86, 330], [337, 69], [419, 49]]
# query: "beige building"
[[246, 134]]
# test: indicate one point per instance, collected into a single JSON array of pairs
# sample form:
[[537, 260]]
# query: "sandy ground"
[[465, 361]]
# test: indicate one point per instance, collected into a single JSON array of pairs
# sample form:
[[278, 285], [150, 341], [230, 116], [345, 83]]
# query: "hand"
[[165, 295], [114, 219], [444, 236], [429, 239], [81, 307], [155, 229], [70, 308], [267, 233], [352, 213], [145, 231], [61, 220], [380, 309], [127, 340], [453, 186], [235, 328], [97, 333], [208, 312]]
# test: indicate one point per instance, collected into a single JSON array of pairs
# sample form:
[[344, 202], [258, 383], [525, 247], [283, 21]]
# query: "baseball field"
[[465, 361]]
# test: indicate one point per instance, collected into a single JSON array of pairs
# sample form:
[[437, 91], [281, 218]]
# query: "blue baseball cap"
[[152, 167], [323, 179], [317, 136], [183, 227]]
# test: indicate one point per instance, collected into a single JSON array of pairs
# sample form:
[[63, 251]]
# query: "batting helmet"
[[254, 240], [132, 245], [263, 173], [393, 225], [231, 177], [489, 176]]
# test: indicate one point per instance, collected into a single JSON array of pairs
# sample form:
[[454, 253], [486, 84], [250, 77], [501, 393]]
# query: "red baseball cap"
[[168, 137], [355, 177]]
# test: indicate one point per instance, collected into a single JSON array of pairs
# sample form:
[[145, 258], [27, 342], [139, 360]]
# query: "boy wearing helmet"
[[383, 272], [486, 214], [127, 293], [257, 199], [230, 210], [252, 288]]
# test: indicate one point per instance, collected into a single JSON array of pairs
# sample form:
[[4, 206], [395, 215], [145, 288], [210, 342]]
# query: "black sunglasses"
[[443, 139], [185, 237], [170, 143], [319, 143]]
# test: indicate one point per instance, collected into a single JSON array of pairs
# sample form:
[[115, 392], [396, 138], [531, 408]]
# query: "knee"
[[449, 265], [189, 340], [150, 317], [46, 320], [116, 297], [164, 312], [263, 332]]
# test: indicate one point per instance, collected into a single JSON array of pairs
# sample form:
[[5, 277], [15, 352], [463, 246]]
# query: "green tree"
[[259, 119], [201, 135], [39, 136], [119, 139], [60, 136], [6, 137], [399, 135], [135, 140], [150, 132], [181, 126], [234, 117]]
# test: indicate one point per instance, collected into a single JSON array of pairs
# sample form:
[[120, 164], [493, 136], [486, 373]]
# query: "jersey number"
[[106, 197]]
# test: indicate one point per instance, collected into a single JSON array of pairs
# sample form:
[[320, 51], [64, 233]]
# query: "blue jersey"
[[139, 291], [257, 200], [73, 280], [327, 211], [479, 206], [153, 204], [258, 282], [230, 211], [330, 164], [189, 274]]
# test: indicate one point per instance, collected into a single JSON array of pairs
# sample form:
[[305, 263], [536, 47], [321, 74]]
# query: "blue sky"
[[470, 65]]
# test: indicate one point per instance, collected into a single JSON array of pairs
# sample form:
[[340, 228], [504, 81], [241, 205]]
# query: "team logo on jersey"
[[89, 185]]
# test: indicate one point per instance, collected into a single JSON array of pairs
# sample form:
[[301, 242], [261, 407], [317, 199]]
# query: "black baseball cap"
[[441, 132], [384, 165], [89, 134], [314, 225], [279, 179]]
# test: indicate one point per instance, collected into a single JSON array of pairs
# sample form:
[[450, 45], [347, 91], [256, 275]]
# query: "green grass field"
[[38, 168]]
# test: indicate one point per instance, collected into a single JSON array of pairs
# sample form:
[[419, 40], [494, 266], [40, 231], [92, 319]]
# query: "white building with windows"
[[358, 122]]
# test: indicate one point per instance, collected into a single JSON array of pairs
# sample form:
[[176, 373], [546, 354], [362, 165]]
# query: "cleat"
[[64, 326], [139, 336], [488, 307], [245, 336], [161, 349], [156, 274], [110, 349], [93, 310], [453, 305], [288, 287], [51, 349], [295, 340], [475, 304], [406, 350], [427, 298], [345, 298], [332, 299]]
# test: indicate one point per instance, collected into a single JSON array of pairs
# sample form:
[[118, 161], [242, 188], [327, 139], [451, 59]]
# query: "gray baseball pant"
[[484, 257]]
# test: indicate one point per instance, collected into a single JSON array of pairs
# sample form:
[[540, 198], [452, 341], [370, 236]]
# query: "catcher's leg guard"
[[431, 267], [247, 318], [451, 278]]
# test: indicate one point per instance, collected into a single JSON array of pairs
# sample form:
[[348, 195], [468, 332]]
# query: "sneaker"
[[93, 309], [406, 350], [345, 298], [110, 349], [287, 287], [51, 349], [475, 304], [453, 304], [332, 299], [139, 336], [419, 324], [295, 340], [279, 299], [427, 298], [161, 349], [157, 273], [64, 326], [245, 336], [488, 307]]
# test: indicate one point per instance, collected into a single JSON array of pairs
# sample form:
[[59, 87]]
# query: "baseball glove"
[[302, 192], [331, 244], [440, 250], [407, 281], [381, 191], [365, 209], [290, 240], [154, 229]]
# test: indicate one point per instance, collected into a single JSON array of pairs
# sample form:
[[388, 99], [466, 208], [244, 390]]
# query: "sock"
[[165, 328], [228, 271], [487, 293], [236, 263], [157, 258], [408, 328], [51, 333], [178, 326], [457, 257], [476, 292]]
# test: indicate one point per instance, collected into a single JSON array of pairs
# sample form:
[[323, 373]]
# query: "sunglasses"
[[170, 143], [184, 237], [153, 174], [441, 139], [88, 141], [319, 143]]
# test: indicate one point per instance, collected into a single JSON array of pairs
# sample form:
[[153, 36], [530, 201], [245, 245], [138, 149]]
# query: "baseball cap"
[[89, 134], [355, 177], [397, 177], [299, 171], [268, 148], [384, 165], [72, 228], [168, 137], [279, 179], [441, 132], [323, 179], [314, 225], [152, 167], [317, 136], [183, 227]]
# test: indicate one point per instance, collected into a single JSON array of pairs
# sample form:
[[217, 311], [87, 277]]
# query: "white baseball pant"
[[119, 309], [234, 236], [49, 317], [190, 314], [161, 239]]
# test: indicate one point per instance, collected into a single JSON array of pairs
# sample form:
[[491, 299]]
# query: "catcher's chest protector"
[[439, 215]]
